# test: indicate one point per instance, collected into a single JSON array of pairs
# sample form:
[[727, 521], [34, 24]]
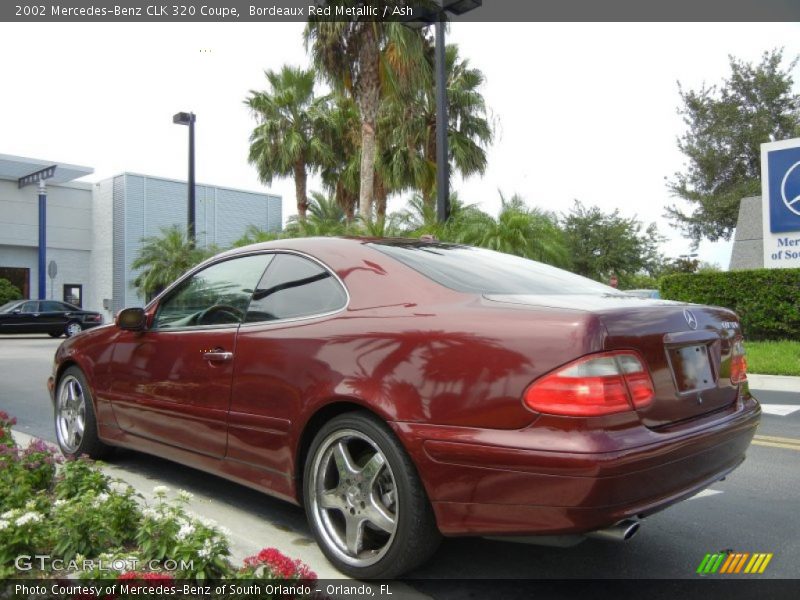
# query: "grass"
[[773, 358]]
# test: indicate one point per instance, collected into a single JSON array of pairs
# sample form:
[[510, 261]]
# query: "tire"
[[73, 328], [365, 503], [56, 335], [76, 425]]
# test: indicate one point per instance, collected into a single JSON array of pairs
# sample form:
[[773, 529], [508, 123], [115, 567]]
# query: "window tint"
[[295, 287], [51, 306], [217, 295], [30, 307], [480, 271]]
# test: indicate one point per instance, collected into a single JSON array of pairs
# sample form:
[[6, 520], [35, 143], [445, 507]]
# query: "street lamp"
[[184, 118], [425, 18]]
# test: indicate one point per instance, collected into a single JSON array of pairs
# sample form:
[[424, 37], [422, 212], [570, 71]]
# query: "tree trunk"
[[367, 171], [300, 189], [346, 200], [429, 155], [367, 93], [380, 197]]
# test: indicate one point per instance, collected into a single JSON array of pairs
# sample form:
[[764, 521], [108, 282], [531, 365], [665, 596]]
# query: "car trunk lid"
[[687, 348]]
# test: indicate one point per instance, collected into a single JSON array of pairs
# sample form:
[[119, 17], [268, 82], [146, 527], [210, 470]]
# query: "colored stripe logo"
[[733, 563]]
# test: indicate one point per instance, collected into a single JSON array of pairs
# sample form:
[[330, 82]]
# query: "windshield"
[[481, 271], [9, 305]]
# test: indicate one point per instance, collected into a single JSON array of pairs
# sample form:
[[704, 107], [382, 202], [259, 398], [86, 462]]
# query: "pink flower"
[[145, 576]]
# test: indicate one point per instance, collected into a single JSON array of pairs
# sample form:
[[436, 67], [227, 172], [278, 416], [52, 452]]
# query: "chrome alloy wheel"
[[74, 328], [70, 414], [354, 500]]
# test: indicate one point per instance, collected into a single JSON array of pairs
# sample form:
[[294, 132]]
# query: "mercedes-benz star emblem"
[[790, 189], [691, 321]]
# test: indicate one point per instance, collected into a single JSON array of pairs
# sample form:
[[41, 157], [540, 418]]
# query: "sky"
[[582, 111]]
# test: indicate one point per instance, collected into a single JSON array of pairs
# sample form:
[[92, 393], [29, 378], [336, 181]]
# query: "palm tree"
[[418, 218], [362, 59], [163, 258], [410, 146], [325, 217], [287, 141], [342, 134], [253, 235], [520, 230]]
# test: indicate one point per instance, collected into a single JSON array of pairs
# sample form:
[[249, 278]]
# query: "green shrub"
[[8, 291], [766, 300], [73, 512]]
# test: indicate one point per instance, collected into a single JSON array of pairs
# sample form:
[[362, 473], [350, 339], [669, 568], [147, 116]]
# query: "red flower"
[[280, 565]]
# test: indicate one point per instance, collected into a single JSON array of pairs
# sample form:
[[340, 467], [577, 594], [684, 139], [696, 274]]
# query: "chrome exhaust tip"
[[619, 532]]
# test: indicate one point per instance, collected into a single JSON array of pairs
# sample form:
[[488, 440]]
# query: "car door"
[[281, 357], [52, 316], [10, 317], [25, 319], [172, 382]]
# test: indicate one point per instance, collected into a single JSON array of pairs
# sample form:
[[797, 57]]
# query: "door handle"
[[218, 356]]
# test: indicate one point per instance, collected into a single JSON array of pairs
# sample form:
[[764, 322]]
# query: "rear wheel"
[[76, 425], [73, 328], [364, 500]]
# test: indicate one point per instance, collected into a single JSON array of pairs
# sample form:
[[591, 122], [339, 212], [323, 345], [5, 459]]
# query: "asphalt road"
[[754, 510]]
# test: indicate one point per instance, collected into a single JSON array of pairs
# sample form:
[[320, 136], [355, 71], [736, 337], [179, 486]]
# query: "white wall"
[[69, 234], [101, 263]]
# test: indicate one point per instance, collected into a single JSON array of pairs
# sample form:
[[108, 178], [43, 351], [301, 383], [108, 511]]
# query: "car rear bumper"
[[540, 480]]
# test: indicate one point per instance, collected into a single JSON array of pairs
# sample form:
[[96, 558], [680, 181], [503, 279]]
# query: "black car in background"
[[46, 316]]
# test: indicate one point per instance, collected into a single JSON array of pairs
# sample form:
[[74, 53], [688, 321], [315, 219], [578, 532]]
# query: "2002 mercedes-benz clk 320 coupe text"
[[403, 389]]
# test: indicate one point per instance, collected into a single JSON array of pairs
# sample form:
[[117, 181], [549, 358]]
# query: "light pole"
[[184, 118], [427, 16]]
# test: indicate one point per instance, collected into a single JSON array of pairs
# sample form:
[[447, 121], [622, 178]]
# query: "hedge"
[[8, 291], [766, 300]]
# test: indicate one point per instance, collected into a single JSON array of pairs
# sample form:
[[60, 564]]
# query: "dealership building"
[[93, 231]]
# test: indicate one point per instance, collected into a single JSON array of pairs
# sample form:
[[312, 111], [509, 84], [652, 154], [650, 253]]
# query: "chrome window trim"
[[315, 315], [204, 266]]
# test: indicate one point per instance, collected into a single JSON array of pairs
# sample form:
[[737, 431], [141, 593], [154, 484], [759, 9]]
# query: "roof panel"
[[14, 167]]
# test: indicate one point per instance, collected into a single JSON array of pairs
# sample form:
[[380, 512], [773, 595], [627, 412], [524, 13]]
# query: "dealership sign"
[[780, 194]]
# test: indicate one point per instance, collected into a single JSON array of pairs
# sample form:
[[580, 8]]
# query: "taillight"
[[598, 384], [738, 362]]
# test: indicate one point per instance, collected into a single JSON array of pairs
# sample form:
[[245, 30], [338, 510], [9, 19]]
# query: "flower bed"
[[90, 526]]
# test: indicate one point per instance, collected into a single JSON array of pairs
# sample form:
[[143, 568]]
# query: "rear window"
[[481, 271]]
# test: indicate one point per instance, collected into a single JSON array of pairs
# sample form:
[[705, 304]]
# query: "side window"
[[294, 286], [50, 306], [217, 295], [30, 307]]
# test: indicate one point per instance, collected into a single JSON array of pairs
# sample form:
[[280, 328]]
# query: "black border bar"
[[278, 11]]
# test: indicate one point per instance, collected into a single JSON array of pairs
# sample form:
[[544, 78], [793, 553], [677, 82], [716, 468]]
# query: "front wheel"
[[76, 424], [364, 500]]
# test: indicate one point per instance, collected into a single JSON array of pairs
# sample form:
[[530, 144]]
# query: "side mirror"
[[16, 311], [132, 319]]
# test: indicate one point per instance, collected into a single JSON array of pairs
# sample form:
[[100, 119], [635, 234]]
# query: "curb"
[[774, 383]]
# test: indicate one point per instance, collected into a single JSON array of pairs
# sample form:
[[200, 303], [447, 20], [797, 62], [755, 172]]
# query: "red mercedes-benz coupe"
[[403, 389]]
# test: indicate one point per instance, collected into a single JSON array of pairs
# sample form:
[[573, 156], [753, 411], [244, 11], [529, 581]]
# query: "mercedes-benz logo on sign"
[[790, 188], [691, 321]]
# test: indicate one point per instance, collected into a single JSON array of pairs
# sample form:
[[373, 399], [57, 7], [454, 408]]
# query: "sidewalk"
[[774, 383]]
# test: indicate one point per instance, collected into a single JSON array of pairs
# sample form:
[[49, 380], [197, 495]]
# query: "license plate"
[[692, 368]]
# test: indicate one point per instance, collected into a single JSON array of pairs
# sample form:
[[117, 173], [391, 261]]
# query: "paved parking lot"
[[754, 510]]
